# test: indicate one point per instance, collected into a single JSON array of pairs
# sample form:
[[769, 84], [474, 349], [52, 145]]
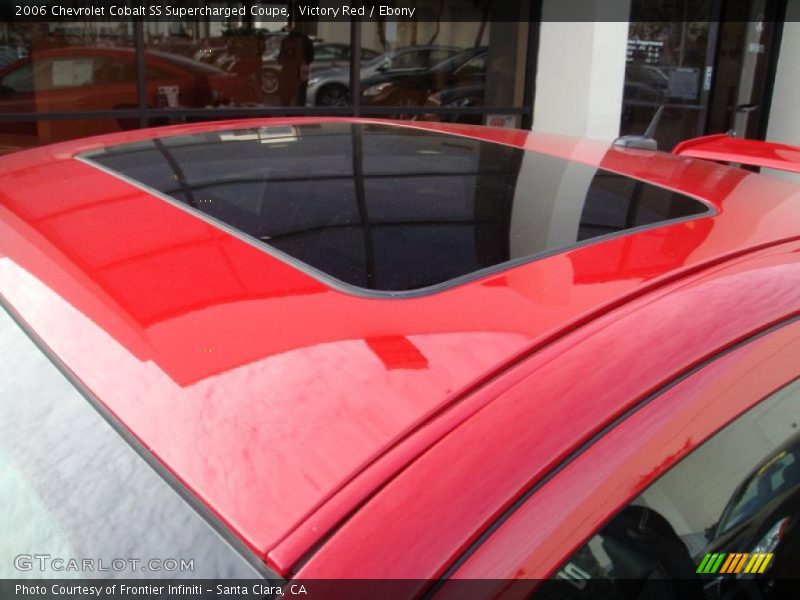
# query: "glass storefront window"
[[458, 57], [240, 65], [456, 61], [666, 65], [60, 67]]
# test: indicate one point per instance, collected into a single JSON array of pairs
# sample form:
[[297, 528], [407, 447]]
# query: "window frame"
[[625, 462], [149, 115]]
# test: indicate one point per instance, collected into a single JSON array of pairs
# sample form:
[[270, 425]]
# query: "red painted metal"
[[758, 153], [195, 86], [539, 413], [580, 499], [284, 404]]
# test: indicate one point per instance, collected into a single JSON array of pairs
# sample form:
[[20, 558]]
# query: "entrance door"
[[670, 61], [746, 52]]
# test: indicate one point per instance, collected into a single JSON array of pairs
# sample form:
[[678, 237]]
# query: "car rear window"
[[388, 208]]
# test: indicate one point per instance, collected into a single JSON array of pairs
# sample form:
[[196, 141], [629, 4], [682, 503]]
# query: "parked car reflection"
[[98, 78], [414, 89], [66, 79], [10, 54], [645, 82], [462, 95], [331, 87], [326, 56]]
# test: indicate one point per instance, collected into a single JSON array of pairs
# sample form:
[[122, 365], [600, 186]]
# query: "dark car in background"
[[461, 95], [10, 54], [414, 89], [646, 82], [331, 87], [762, 513]]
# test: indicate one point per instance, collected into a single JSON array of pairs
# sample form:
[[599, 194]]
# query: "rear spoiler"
[[725, 148]]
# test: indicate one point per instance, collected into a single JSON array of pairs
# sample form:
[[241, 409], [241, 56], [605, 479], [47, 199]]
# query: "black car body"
[[461, 95], [762, 516], [413, 89]]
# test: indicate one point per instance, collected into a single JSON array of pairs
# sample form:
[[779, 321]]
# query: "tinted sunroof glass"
[[392, 208]]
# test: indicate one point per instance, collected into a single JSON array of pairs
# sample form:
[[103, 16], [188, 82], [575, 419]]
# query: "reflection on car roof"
[[392, 209]]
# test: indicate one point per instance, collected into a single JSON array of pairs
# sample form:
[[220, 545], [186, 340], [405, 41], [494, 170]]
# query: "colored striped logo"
[[734, 562]]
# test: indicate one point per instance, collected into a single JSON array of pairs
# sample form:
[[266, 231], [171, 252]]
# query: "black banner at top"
[[265, 11], [273, 13]]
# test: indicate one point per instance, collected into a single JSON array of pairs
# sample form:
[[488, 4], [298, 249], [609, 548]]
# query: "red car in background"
[[104, 79], [444, 360]]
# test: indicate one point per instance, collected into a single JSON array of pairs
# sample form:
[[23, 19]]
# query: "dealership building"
[[596, 69]]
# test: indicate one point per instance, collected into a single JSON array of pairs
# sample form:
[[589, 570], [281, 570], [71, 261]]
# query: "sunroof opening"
[[389, 208]]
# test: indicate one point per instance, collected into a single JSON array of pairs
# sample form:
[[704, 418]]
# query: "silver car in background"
[[326, 56]]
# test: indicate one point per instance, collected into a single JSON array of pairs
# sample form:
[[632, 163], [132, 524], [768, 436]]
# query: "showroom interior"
[[715, 67]]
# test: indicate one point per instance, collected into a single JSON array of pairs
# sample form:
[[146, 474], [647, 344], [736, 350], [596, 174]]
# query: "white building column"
[[580, 73], [784, 116]]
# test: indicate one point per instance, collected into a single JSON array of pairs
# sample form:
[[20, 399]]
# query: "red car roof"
[[267, 390]]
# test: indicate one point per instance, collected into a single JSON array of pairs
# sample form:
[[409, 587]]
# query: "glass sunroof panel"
[[390, 208]]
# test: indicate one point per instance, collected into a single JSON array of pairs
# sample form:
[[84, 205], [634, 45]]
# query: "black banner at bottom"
[[400, 589]]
